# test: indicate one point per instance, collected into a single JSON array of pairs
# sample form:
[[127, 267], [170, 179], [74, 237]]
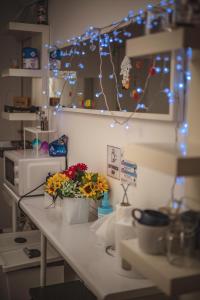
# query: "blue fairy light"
[[115, 33], [125, 19], [140, 11], [111, 76], [169, 10], [189, 53], [166, 90], [179, 67], [139, 90], [158, 69], [188, 75], [120, 95], [131, 14], [179, 58], [58, 93], [81, 66], [180, 180], [181, 85], [97, 95], [166, 58], [149, 7], [184, 128], [67, 65], [166, 70], [163, 3], [138, 20], [127, 34], [140, 106]]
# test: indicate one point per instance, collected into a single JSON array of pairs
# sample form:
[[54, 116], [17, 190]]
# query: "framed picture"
[[113, 161]]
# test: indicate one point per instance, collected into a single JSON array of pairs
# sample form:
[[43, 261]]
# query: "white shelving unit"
[[37, 132], [38, 35], [170, 279]]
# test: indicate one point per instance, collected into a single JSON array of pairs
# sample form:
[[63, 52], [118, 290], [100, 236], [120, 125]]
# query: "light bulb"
[[112, 125], [139, 90], [127, 126]]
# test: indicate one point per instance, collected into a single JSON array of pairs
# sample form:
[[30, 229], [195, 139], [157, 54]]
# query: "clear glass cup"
[[181, 244]]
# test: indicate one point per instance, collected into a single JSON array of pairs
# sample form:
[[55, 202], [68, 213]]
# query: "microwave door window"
[[9, 171]]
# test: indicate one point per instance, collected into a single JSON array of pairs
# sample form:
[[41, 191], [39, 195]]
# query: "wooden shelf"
[[163, 42], [21, 73], [167, 158], [170, 279], [19, 116]]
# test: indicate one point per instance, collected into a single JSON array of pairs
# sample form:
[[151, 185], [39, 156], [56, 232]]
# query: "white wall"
[[89, 135]]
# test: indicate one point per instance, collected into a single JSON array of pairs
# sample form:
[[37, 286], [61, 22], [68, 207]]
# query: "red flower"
[[74, 170]]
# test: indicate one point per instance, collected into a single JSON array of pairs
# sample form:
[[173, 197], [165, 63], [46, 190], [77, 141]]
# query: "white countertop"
[[78, 246]]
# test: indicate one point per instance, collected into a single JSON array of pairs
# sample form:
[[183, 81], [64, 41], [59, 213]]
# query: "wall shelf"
[[170, 279], [19, 116], [22, 73], [25, 30], [163, 42], [38, 130], [167, 158]]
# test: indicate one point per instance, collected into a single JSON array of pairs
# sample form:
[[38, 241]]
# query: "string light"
[[93, 35], [112, 125], [127, 126]]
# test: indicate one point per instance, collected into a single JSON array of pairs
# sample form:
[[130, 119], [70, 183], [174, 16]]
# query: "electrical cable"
[[28, 195]]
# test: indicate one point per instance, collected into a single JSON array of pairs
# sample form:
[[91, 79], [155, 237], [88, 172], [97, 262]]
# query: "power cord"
[[28, 195]]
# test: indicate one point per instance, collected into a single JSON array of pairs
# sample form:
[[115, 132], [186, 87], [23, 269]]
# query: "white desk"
[[78, 246]]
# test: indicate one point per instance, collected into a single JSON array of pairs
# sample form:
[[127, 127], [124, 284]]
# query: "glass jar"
[[181, 243]]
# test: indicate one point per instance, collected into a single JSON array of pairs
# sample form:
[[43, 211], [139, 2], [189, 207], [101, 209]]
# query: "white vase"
[[75, 210]]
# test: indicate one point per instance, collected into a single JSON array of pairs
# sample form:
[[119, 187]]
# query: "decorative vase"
[[75, 210], [93, 209], [49, 202]]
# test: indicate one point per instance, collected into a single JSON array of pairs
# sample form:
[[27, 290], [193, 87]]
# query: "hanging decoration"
[[125, 72]]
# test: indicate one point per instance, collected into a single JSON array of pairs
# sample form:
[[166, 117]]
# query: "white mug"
[[151, 238]]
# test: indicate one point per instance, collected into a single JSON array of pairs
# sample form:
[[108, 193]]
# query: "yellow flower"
[[88, 190], [102, 185]]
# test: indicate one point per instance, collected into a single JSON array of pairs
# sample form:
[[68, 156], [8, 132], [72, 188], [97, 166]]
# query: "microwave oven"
[[24, 171]]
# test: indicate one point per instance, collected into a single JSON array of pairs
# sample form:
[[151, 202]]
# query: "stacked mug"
[[151, 227]]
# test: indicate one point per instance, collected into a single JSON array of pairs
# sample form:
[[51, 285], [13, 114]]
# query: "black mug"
[[150, 217]]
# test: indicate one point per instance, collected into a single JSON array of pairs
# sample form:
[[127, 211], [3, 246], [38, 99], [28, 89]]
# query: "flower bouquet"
[[76, 185]]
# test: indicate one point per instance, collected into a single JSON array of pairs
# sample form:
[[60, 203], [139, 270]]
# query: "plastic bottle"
[[105, 207]]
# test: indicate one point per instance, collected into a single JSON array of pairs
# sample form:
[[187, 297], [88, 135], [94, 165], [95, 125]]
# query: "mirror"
[[80, 83]]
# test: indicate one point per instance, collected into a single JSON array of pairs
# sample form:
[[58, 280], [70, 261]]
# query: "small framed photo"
[[113, 161]]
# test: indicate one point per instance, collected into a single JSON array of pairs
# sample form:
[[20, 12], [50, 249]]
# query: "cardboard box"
[[21, 101]]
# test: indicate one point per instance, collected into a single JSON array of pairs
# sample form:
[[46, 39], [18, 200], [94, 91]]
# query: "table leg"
[[14, 217], [43, 260]]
